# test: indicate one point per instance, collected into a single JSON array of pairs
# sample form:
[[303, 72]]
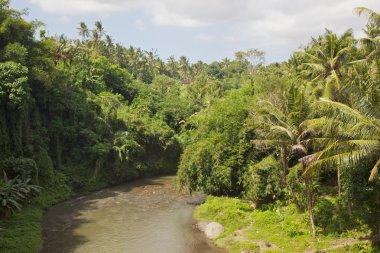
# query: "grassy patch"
[[231, 212], [281, 229], [22, 233]]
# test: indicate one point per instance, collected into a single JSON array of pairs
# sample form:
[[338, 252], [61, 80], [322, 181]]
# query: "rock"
[[201, 225], [197, 199], [214, 230]]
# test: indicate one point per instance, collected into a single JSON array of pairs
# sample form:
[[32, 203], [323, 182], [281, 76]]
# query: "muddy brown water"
[[145, 216]]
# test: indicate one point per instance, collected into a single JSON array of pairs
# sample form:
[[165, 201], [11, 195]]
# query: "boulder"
[[213, 230], [201, 225], [197, 199]]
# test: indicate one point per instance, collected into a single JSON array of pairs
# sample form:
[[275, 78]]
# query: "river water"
[[145, 216]]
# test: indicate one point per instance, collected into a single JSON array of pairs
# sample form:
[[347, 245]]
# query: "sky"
[[207, 30]]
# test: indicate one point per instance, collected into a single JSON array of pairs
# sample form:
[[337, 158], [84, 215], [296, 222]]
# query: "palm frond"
[[281, 133], [340, 111]]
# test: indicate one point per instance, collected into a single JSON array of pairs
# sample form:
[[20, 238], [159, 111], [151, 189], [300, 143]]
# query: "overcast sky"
[[206, 30]]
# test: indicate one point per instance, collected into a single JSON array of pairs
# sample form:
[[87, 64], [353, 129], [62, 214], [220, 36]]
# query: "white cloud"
[[265, 24], [70, 7]]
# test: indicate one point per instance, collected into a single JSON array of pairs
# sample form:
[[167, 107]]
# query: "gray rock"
[[201, 225], [197, 199], [213, 230]]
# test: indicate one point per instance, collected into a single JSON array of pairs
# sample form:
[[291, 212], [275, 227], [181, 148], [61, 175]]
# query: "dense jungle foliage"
[[80, 114]]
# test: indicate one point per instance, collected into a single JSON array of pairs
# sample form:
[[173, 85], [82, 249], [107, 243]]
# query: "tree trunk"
[[349, 206], [58, 150], [338, 178], [98, 165], [284, 163], [309, 195]]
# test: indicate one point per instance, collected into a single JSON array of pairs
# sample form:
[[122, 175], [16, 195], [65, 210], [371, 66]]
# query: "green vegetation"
[[298, 139], [274, 229]]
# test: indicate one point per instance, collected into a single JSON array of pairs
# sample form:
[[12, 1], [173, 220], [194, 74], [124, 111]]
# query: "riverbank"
[[22, 233], [277, 229]]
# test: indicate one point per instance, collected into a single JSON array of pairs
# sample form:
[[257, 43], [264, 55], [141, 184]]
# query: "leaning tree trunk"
[[309, 196]]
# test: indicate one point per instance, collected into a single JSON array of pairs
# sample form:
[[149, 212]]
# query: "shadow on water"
[[146, 215]]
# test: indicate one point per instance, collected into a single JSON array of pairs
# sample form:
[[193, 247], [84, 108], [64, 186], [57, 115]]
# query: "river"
[[145, 216]]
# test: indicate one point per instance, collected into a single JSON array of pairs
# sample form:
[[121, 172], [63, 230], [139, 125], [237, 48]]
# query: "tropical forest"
[[106, 147]]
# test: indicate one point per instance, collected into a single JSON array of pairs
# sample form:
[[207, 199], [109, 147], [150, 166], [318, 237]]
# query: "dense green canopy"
[[80, 114]]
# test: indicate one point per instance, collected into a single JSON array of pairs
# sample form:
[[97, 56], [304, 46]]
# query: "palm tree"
[[197, 69], [325, 58], [282, 124], [99, 29], [97, 33], [374, 17], [151, 59], [226, 63], [172, 66], [306, 161], [184, 68], [357, 138], [83, 31], [371, 44], [287, 131]]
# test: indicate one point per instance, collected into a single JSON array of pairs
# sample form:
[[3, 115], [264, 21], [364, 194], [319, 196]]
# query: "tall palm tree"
[[172, 66], [287, 132], [99, 29], [282, 125], [306, 161], [371, 44], [325, 58], [151, 56], [97, 33], [226, 63], [83, 31], [184, 68]]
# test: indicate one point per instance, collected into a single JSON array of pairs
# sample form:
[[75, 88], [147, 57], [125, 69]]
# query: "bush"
[[14, 193], [332, 215], [19, 167], [262, 181]]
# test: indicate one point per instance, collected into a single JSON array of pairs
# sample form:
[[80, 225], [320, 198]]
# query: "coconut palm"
[[172, 66], [226, 63], [282, 125], [306, 161], [373, 17], [370, 44], [356, 140], [99, 29], [287, 131], [184, 68], [83, 31], [325, 58]]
